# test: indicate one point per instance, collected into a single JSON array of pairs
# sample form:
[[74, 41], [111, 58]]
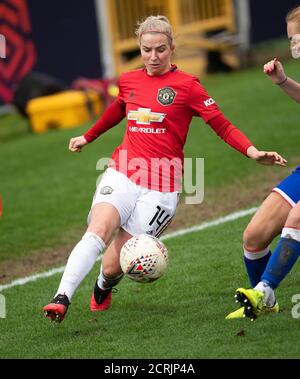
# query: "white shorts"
[[141, 210]]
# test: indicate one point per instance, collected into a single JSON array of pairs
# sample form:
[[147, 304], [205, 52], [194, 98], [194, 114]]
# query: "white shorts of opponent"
[[141, 210]]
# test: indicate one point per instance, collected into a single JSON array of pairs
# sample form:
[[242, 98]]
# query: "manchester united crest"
[[106, 190], [166, 96]]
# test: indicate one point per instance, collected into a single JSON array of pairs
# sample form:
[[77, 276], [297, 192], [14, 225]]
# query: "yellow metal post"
[[173, 10], [192, 20]]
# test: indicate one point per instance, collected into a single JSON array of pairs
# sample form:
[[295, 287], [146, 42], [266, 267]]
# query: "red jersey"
[[159, 110]]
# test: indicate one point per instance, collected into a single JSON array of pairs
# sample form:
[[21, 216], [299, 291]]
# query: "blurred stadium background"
[[58, 70], [66, 40]]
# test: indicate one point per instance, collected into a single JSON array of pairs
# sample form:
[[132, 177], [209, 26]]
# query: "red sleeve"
[[111, 117], [200, 102], [230, 134]]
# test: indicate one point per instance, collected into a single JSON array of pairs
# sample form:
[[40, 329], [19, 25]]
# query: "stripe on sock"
[[105, 282], [253, 255], [291, 233]]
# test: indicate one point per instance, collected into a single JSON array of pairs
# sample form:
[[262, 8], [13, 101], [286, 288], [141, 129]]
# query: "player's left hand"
[[266, 157], [270, 158]]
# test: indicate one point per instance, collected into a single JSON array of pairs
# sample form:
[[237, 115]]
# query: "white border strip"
[[105, 37], [197, 228], [284, 195]]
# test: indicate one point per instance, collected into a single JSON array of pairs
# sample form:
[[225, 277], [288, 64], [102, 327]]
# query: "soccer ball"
[[144, 258]]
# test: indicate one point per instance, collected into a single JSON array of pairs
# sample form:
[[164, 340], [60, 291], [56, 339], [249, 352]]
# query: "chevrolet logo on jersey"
[[144, 116]]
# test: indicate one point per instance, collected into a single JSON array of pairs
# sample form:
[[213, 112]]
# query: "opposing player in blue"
[[280, 212]]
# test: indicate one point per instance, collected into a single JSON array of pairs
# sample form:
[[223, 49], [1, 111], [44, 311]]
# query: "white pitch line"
[[209, 224], [193, 229]]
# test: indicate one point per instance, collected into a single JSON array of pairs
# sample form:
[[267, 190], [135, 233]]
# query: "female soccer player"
[[138, 193], [280, 212]]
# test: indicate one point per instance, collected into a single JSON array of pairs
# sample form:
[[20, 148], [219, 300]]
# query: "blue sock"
[[281, 262], [256, 267]]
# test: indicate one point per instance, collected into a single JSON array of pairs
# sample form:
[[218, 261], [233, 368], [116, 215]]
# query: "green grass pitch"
[[46, 193]]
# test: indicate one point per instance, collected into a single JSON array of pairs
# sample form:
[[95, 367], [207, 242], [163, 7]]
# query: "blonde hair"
[[293, 15], [155, 24]]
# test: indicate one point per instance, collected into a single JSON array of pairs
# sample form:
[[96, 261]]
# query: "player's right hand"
[[275, 71], [77, 143]]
